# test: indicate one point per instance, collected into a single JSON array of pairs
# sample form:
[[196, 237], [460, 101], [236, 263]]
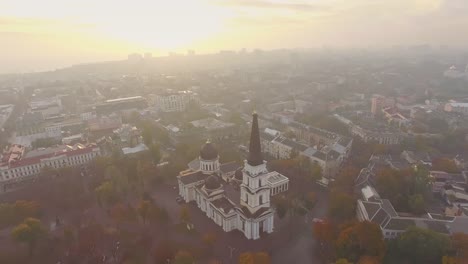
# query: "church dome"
[[208, 151], [212, 183], [238, 175]]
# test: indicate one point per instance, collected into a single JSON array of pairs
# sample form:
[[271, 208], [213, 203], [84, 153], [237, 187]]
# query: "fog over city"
[[234, 132], [44, 35]]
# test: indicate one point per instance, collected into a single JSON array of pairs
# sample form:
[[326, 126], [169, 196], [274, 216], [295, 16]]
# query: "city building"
[[132, 151], [175, 101], [17, 165], [455, 107], [381, 212], [215, 129], [104, 125], [128, 135], [312, 135], [5, 112], [378, 102], [47, 107], [372, 133], [124, 105], [248, 210]]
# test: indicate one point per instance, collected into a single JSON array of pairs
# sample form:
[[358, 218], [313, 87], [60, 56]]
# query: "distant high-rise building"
[[135, 57], [190, 53]]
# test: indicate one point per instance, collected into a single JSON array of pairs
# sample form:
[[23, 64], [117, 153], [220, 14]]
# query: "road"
[[301, 249]]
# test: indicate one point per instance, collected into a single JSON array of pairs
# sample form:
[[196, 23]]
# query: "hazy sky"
[[44, 34]]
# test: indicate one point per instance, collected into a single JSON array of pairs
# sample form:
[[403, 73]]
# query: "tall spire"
[[255, 151]]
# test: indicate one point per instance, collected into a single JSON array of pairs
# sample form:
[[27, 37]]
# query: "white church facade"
[[235, 198]]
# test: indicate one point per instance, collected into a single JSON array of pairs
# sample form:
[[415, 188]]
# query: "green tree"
[[310, 199], [28, 232], [342, 261], [342, 206], [417, 204], [281, 205], [105, 193], [315, 172], [419, 245]]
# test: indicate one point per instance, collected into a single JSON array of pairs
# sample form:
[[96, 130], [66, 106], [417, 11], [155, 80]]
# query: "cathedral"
[[234, 197]]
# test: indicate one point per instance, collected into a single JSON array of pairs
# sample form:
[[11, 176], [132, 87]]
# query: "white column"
[[271, 225]]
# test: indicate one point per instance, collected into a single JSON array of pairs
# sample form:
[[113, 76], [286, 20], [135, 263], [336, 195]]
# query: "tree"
[[183, 257], [164, 252], [342, 206], [419, 245], [155, 152], [143, 209], [68, 236], [417, 204], [315, 172], [262, 258], [118, 179], [13, 213], [184, 214], [254, 258], [28, 232], [147, 134], [209, 239], [100, 165], [145, 170], [460, 245], [444, 164], [369, 260], [105, 193], [360, 239], [281, 205], [345, 178], [122, 213], [342, 261], [246, 258], [310, 199]]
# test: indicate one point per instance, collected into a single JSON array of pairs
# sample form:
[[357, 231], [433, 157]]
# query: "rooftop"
[[138, 148], [187, 177], [275, 177], [224, 204], [211, 124]]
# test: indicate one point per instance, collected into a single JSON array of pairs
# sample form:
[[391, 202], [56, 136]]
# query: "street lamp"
[[231, 250]]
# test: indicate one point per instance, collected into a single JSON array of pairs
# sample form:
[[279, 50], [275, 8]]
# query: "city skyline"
[[53, 34]]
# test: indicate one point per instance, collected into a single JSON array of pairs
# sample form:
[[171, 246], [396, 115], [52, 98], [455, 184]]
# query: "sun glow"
[[170, 28]]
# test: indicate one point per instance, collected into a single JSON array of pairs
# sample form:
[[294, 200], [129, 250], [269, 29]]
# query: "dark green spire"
[[255, 151]]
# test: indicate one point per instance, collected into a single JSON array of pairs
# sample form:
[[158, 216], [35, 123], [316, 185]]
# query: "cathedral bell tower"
[[255, 192]]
